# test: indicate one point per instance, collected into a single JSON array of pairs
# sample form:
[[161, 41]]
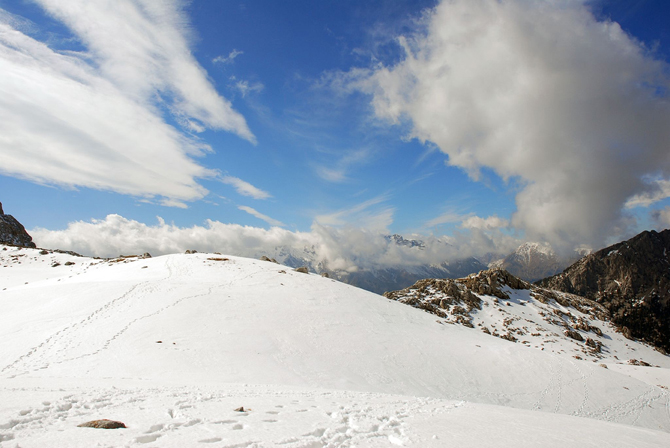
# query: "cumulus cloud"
[[345, 248], [259, 215], [245, 188], [488, 223], [573, 110], [83, 119]]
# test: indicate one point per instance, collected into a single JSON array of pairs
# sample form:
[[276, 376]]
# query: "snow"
[[172, 345]]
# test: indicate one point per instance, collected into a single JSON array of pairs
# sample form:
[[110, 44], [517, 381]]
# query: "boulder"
[[102, 424]]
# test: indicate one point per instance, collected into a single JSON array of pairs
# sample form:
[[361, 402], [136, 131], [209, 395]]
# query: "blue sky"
[[487, 123]]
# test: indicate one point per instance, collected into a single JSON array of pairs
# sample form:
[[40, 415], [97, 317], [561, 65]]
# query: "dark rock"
[[325, 274], [272, 260], [12, 232], [302, 269], [573, 334], [102, 424], [595, 345], [631, 280]]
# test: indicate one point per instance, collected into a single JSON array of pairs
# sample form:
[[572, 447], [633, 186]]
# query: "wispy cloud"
[[227, 59], [80, 120], [448, 217], [261, 216], [337, 171], [365, 215], [245, 87], [245, 188]]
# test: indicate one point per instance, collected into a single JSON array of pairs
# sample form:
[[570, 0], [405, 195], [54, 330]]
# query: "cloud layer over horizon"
[[341, 248], [96, 119], [572, 110]]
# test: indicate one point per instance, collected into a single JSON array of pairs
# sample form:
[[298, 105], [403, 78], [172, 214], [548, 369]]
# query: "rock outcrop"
[[12, 232], [632, 280]]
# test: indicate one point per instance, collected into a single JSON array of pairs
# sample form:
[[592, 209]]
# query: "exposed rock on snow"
[[632, 280], [502, 305], [103, 424], [12, 232]]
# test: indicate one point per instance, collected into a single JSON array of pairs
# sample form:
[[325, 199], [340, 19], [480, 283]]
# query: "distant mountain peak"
[[402, 241]]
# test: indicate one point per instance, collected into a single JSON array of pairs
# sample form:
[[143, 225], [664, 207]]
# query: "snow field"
[[130, 339]]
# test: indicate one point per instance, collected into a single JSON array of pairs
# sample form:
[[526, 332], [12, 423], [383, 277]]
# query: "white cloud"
[[445, 218], [538, 91], [659, 190], [364, 215], [259, 215], [488, 223], [346, 248], [244, 87], [661, 218], [82, 120], [227, 59], [337, 171], [331, 174], [245, 188]]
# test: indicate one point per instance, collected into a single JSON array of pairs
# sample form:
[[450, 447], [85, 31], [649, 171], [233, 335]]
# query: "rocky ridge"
[[12, 232], [502, 305], [631, 280]]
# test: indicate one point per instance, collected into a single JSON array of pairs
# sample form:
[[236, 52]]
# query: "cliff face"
[[632, 280], [12, 232]]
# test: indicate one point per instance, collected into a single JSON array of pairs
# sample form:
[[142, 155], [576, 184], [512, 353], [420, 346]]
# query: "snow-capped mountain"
[[632, 280], [377, 279], [534, 261], [207, 348]]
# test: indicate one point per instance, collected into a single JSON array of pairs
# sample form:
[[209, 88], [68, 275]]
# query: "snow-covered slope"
[[172, 345], [501, 305]]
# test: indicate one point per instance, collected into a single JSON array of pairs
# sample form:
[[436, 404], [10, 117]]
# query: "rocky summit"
[[632, 280], [12, 232]]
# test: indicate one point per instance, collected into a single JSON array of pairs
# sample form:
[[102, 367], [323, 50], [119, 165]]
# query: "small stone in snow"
[[102, 424]]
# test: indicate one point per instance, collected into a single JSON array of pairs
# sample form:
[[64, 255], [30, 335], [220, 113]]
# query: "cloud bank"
[[345, 248], [572, 109], [96, 119]]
